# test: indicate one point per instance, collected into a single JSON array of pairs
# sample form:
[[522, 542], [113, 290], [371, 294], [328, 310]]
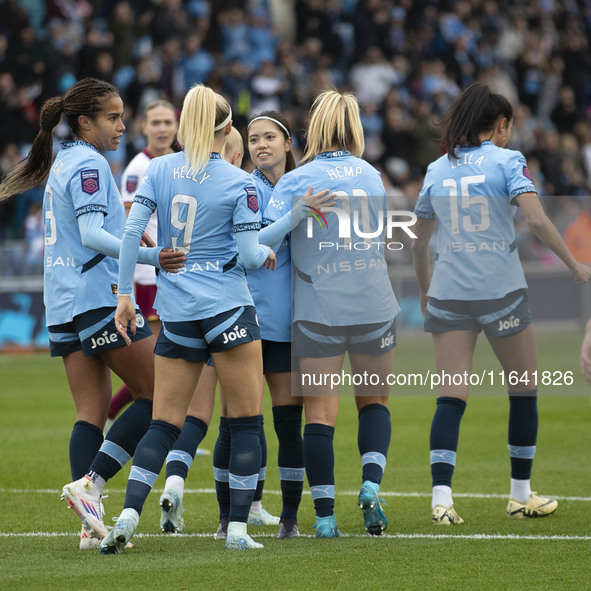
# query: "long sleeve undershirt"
[[94, 236]]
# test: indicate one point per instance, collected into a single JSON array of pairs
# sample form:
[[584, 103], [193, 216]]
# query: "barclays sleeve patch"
[[251, 199], [526, 173], [90, 181]]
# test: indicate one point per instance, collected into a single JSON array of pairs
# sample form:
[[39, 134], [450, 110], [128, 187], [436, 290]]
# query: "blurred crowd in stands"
[[405, 60]]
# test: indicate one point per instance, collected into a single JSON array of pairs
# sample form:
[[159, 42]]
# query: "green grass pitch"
[[39, 537]]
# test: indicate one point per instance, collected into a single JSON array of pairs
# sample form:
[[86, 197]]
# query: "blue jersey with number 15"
[[472, 196]]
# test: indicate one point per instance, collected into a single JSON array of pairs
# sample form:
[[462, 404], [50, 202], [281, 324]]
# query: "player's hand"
[[581, 273], [318, 200], [271, 260], [147, 240], [124, 315], [171, 261]]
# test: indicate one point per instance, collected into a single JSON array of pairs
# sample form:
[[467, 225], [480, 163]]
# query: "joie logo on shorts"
[[507, 324], [236, 333], [387, 341], [104, 339]]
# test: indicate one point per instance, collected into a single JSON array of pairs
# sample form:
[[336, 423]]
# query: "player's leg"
[[221, 468], [180, 457], [453, 356], [134, 364], [175, 382], [518, 357], [257, 514], [240, 372], [321, 403], [90, 383], [374, 431], [144, 295], [287, 420]]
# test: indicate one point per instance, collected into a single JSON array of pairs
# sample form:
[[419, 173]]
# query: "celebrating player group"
[[246, 293]]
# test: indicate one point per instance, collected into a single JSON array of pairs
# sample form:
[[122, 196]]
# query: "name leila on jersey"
[[467, 159]]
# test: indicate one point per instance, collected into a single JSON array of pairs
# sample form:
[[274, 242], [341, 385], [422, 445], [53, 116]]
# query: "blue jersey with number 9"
[[198, 212], [472, 197]]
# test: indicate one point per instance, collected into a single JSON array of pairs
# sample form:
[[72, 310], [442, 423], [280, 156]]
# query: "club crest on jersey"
[[251, 197], [131, 183], [90, 181], [139, 321]]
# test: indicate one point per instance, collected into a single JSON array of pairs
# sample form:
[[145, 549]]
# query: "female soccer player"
[[274, 316], [343, 301], [160, 126], [269, 145], [199, 413], [478, 284], [207, 209], [84, 219]]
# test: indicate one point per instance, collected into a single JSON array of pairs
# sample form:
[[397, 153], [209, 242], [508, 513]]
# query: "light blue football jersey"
[[197, 214], [338, 281], [472, 197], [271, 290], [76, 278]]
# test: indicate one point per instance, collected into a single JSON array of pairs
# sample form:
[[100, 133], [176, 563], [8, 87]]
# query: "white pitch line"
[[397, 536], [349, 493]]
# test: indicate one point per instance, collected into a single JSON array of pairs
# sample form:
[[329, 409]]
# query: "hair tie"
[[224, 122], [270, 119]]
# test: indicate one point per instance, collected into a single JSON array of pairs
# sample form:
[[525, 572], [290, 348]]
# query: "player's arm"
[[546, 231], [585, 356], [252, 254], [273, 234], [146, 238], [93, 235], [420, 256], [130, 246]]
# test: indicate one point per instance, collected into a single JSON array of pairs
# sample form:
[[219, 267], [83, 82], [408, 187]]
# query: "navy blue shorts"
[[195, 340], [314, 340], [276, 357], [502, 317], [92, 332]]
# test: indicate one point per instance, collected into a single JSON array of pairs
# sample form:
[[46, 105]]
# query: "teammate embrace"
[[226, 231]]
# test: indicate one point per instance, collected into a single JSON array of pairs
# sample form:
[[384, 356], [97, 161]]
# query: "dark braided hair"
[[475, 110], [84, 98]]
